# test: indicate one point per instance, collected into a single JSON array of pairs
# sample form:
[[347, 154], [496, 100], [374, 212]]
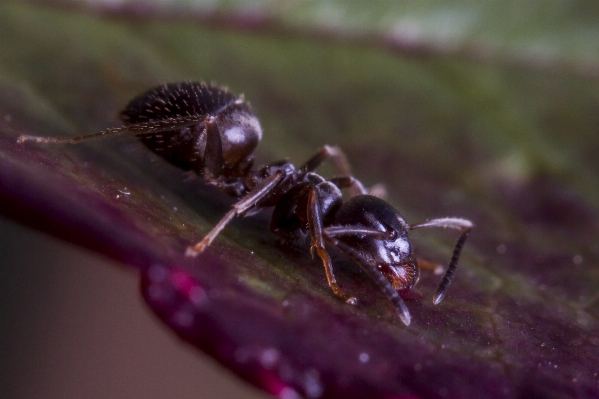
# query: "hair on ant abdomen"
[[208, 130]]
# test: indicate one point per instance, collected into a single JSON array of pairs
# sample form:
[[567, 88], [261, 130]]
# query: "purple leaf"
[[513, 150]]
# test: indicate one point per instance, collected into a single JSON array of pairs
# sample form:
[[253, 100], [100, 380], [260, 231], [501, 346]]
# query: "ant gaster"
[[208, 130]]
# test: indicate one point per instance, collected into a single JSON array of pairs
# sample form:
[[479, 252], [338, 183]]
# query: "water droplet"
[[156, 293], [364, 357], [197, 296], [183, 318], [352, 301], [501, 249], [157, 273], [269, 357], [242, 355], [289, 393], [312, 384]]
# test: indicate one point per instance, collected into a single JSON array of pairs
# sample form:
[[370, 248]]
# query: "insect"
[[210, 131]]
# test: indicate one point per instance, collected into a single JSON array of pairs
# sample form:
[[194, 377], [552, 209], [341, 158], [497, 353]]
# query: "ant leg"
[[339, 160], [317, 243], [349, 182], [244, 204], [464, 226], [333, 153], [141, 128], [357, 188], [377, 276], [432, 266], [378, 190]]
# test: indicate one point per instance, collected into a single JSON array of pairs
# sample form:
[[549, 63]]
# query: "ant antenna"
[[453, 264], [450, 223]]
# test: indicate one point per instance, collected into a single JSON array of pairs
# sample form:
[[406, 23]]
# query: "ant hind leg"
[[242, 206], [142, 128]]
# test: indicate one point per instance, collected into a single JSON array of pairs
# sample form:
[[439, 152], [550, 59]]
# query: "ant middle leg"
[[243, 205]]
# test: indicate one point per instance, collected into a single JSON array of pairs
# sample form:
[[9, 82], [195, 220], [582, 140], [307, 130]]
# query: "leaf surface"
[[449, 129]]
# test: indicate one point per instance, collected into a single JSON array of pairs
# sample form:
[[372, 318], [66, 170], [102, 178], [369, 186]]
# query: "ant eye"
[[392, 234]]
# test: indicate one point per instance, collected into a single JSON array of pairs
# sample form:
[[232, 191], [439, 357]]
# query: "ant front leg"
[[332, 235], [317, 243], [464, 226], [242, 206]]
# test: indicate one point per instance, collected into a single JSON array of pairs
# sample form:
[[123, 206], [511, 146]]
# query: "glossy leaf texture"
[[455, 116]]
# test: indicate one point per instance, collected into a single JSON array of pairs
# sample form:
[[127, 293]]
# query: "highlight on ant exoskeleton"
[[206, 129]]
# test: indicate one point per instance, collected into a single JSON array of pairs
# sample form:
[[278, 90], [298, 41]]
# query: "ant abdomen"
[[190, 147]]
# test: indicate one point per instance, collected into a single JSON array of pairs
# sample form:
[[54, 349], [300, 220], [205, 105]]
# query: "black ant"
[[208, 130]]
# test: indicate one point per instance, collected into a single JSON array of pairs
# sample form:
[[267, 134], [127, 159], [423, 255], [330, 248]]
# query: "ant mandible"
[[208, 130]]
